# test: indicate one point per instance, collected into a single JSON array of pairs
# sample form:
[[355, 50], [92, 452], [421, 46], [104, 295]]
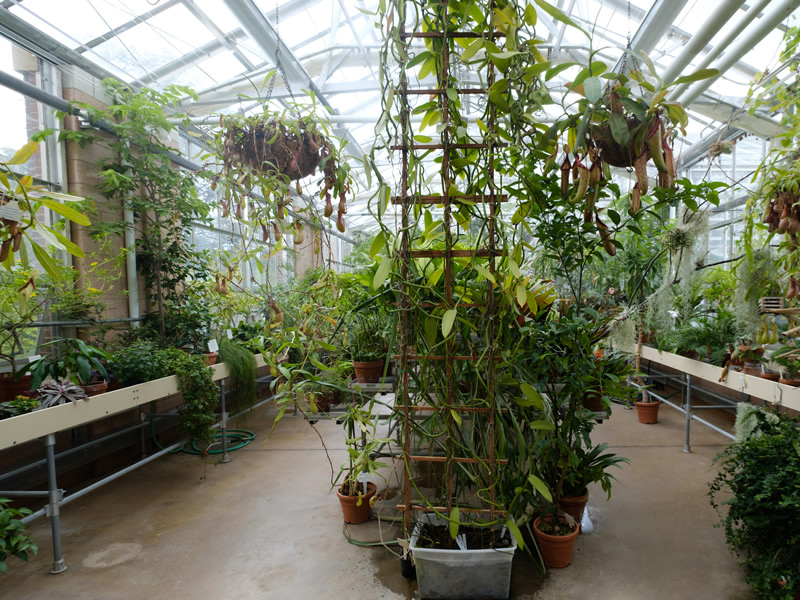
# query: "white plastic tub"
[[461, 574]]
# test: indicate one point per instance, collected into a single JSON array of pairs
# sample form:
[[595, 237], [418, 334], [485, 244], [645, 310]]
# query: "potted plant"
[[367, 346], [13, 539], [788, 359], [71, 359], [18, 406], [751, 358], [757, 483], [354, 490], [138, 361], [58, 392]]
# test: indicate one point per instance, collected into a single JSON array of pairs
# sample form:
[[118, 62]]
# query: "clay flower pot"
[[351, 511], [647, 412], [210, 358], [556, 549], [574, 506], [368, 372], [95, 388]]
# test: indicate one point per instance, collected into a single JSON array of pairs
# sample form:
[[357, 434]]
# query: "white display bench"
[[693, 371], [46, 423]]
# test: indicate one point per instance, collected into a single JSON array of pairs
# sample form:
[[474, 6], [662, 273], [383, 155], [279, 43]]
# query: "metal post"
[[54, 497], [687, 446], [226, 457]]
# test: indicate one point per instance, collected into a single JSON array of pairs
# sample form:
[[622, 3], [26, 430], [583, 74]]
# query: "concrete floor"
[[266, 526]]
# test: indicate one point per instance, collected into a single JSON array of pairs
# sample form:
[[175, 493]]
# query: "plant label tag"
[[213, 346], [34, 357], [364, 477], [11, 211], [229, 333], [741, 383]]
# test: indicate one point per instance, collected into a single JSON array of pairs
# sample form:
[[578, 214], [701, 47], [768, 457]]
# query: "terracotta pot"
[[556, 549], [350, 511], [368, 372], [210, 358], [647, 412], [593, 401], [10, 388], [770, 376], [752, 369], [95, 388], [574, 506]]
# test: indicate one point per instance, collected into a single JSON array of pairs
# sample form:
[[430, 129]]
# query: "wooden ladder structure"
[[445, 363]]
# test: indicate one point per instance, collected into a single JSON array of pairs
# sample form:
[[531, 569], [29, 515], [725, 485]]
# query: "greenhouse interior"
[[405, 294]]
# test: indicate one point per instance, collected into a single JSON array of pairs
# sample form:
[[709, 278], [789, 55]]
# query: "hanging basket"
[[272, 147], [614, 153]]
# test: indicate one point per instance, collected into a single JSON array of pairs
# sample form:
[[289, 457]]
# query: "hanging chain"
[[278, 63]]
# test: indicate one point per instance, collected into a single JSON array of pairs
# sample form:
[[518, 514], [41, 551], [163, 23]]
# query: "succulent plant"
[[59, 392]]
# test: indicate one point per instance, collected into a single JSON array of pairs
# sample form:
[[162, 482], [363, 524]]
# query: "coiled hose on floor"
[[237, 439]]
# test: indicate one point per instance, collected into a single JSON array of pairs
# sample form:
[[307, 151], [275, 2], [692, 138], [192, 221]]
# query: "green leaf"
[[378, 243], [454, 522], [70, 247], [64, 210], [512, 527], [499, 100], [84, 370], [431, 329], [514, 268], [44, 259], [533, 396], [447, 321], [557, 69], [619, 129], [419, 58], [426, 68], [456, 416], [530, 15], [522, 294], [452, 94], [541, 487], [382, 273], [696, 76], [558, 15], [486, 274], [543, 425], [472, 49], [593, 89], [23, 154]]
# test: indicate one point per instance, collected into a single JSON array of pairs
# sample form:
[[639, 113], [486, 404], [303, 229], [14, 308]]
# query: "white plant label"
[[34, 357], [11, 211], [229, 333], [213, 346], [364, 477]]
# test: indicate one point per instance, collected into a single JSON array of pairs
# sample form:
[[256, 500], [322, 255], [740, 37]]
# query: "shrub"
[[762, 524]]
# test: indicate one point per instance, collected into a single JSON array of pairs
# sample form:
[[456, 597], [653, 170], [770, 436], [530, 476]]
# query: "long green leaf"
[[619, 129], [512, 527], [454, 522], [48, 264], [559, 16], [23, 154], [532, 395], [540, 486], [65, 211], [377, 244], [447, 321], [696, 76], [382, 273], [70, 247]]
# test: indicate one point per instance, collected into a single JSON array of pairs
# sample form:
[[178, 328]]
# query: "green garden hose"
[[237, 439]]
